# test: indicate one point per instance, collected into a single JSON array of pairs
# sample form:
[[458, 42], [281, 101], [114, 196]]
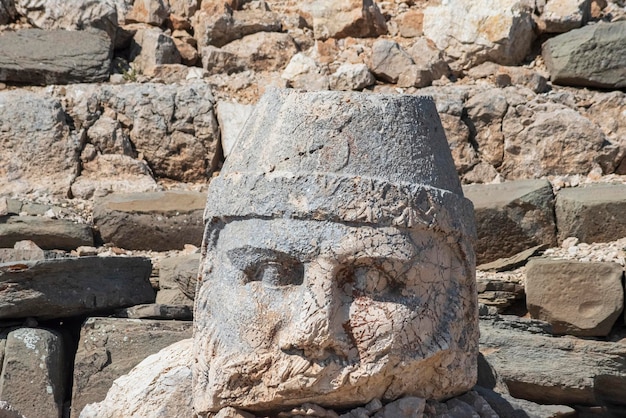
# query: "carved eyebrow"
[[249, 257]]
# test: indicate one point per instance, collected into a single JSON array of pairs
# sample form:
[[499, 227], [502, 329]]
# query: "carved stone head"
[[338, 265]]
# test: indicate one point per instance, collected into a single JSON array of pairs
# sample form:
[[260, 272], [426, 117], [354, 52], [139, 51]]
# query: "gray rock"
[[33, 373], [34, 56], [485, 111], [305, 73], [22, 250], [48, 234], [390, 63], [111, 347], [6, 410], [156, 221], [231, 117], [263, 51], [582, 299], [180, 272], [409, 407], [73, 286], [546, 375], [351, 77], [152, 12], [594, 213], [506, 406], [216, 61], [511, 217], [559, 16], [152, 47], [592, 56], [157, 311], [36, 131]]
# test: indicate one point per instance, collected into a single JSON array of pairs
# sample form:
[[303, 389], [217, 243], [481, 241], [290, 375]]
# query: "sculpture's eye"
[[276, 273], [372, 280], [271, 267]]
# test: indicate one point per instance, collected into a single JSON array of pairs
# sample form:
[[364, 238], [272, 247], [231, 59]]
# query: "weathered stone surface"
[[506, 406], [110, 348], [417, 67], [152, 12], [156, 221], [172, 126], [472, 32], [304, 72], [22, 250], [486, 110], [334, 269], [219, 25], [73, 286], [345, 18], [6, 410], [410, 23], [180, 272], [7, 11], [606, 111], [269, 51], [583, 299], [517, 75], [151, 47], [231, 117], [560, 16], [216, 61], [34, 128], [33, 373], [157, 311], [49, 234], [552, 139], [184, 8], [546, 375], [513, 262], [351, 77], [594, 213], [34, 56], [591, 56], [511, 217], [70, 14]]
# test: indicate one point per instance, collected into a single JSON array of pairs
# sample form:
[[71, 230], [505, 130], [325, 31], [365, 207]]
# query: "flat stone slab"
[[34, 56], [158, 221], [47, 233], [592, 56], [157, 311], [33, 372], [73, 286], [551, 370], [111, 347], [582, 299], [594, 213], [511, 217]]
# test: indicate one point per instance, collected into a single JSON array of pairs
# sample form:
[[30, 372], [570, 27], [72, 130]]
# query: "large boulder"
[[65, 287], [33, 379], [156, 221], [35, 129], [512, 217], [34, 56], [592, 56], [546, 374], [582, 299], [594, 213], [472, 32], [111, 347], [49, 234]]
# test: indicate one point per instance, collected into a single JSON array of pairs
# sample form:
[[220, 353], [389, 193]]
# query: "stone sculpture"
[[338, 264]]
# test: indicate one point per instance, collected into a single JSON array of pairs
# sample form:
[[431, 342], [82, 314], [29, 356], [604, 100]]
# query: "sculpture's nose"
[[319, 328]]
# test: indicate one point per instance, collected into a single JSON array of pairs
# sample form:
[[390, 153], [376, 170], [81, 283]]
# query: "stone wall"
[[116, 114]]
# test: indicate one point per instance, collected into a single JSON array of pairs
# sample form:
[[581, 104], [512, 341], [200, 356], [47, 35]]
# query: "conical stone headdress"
[[345, 157]]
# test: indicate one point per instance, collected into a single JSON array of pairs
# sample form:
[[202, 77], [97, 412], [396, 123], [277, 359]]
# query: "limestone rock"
[[152, 12], [591, 56], [156, 221], [512, 217], [22, 250], [36, 131], [173, 127], [505, 405], [471, 32], [546, 376], [184, 8], [550, 139], [220, 25], [70, 14], [486, 110], [268, 51], [351, 77], [345, 18], [606, 112], [390, 63], [559, 16], [180, 273], [40, 288], [34, 56], [216, 61], [231, 117], [158, 382], [304, 72], [49, 234], [177, 312], [517, 75], [151, 47], [410, 23], [593, 213], [582, 299], [33, 373]]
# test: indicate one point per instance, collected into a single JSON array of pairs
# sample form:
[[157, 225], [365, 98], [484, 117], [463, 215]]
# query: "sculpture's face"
[[306, 311]]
